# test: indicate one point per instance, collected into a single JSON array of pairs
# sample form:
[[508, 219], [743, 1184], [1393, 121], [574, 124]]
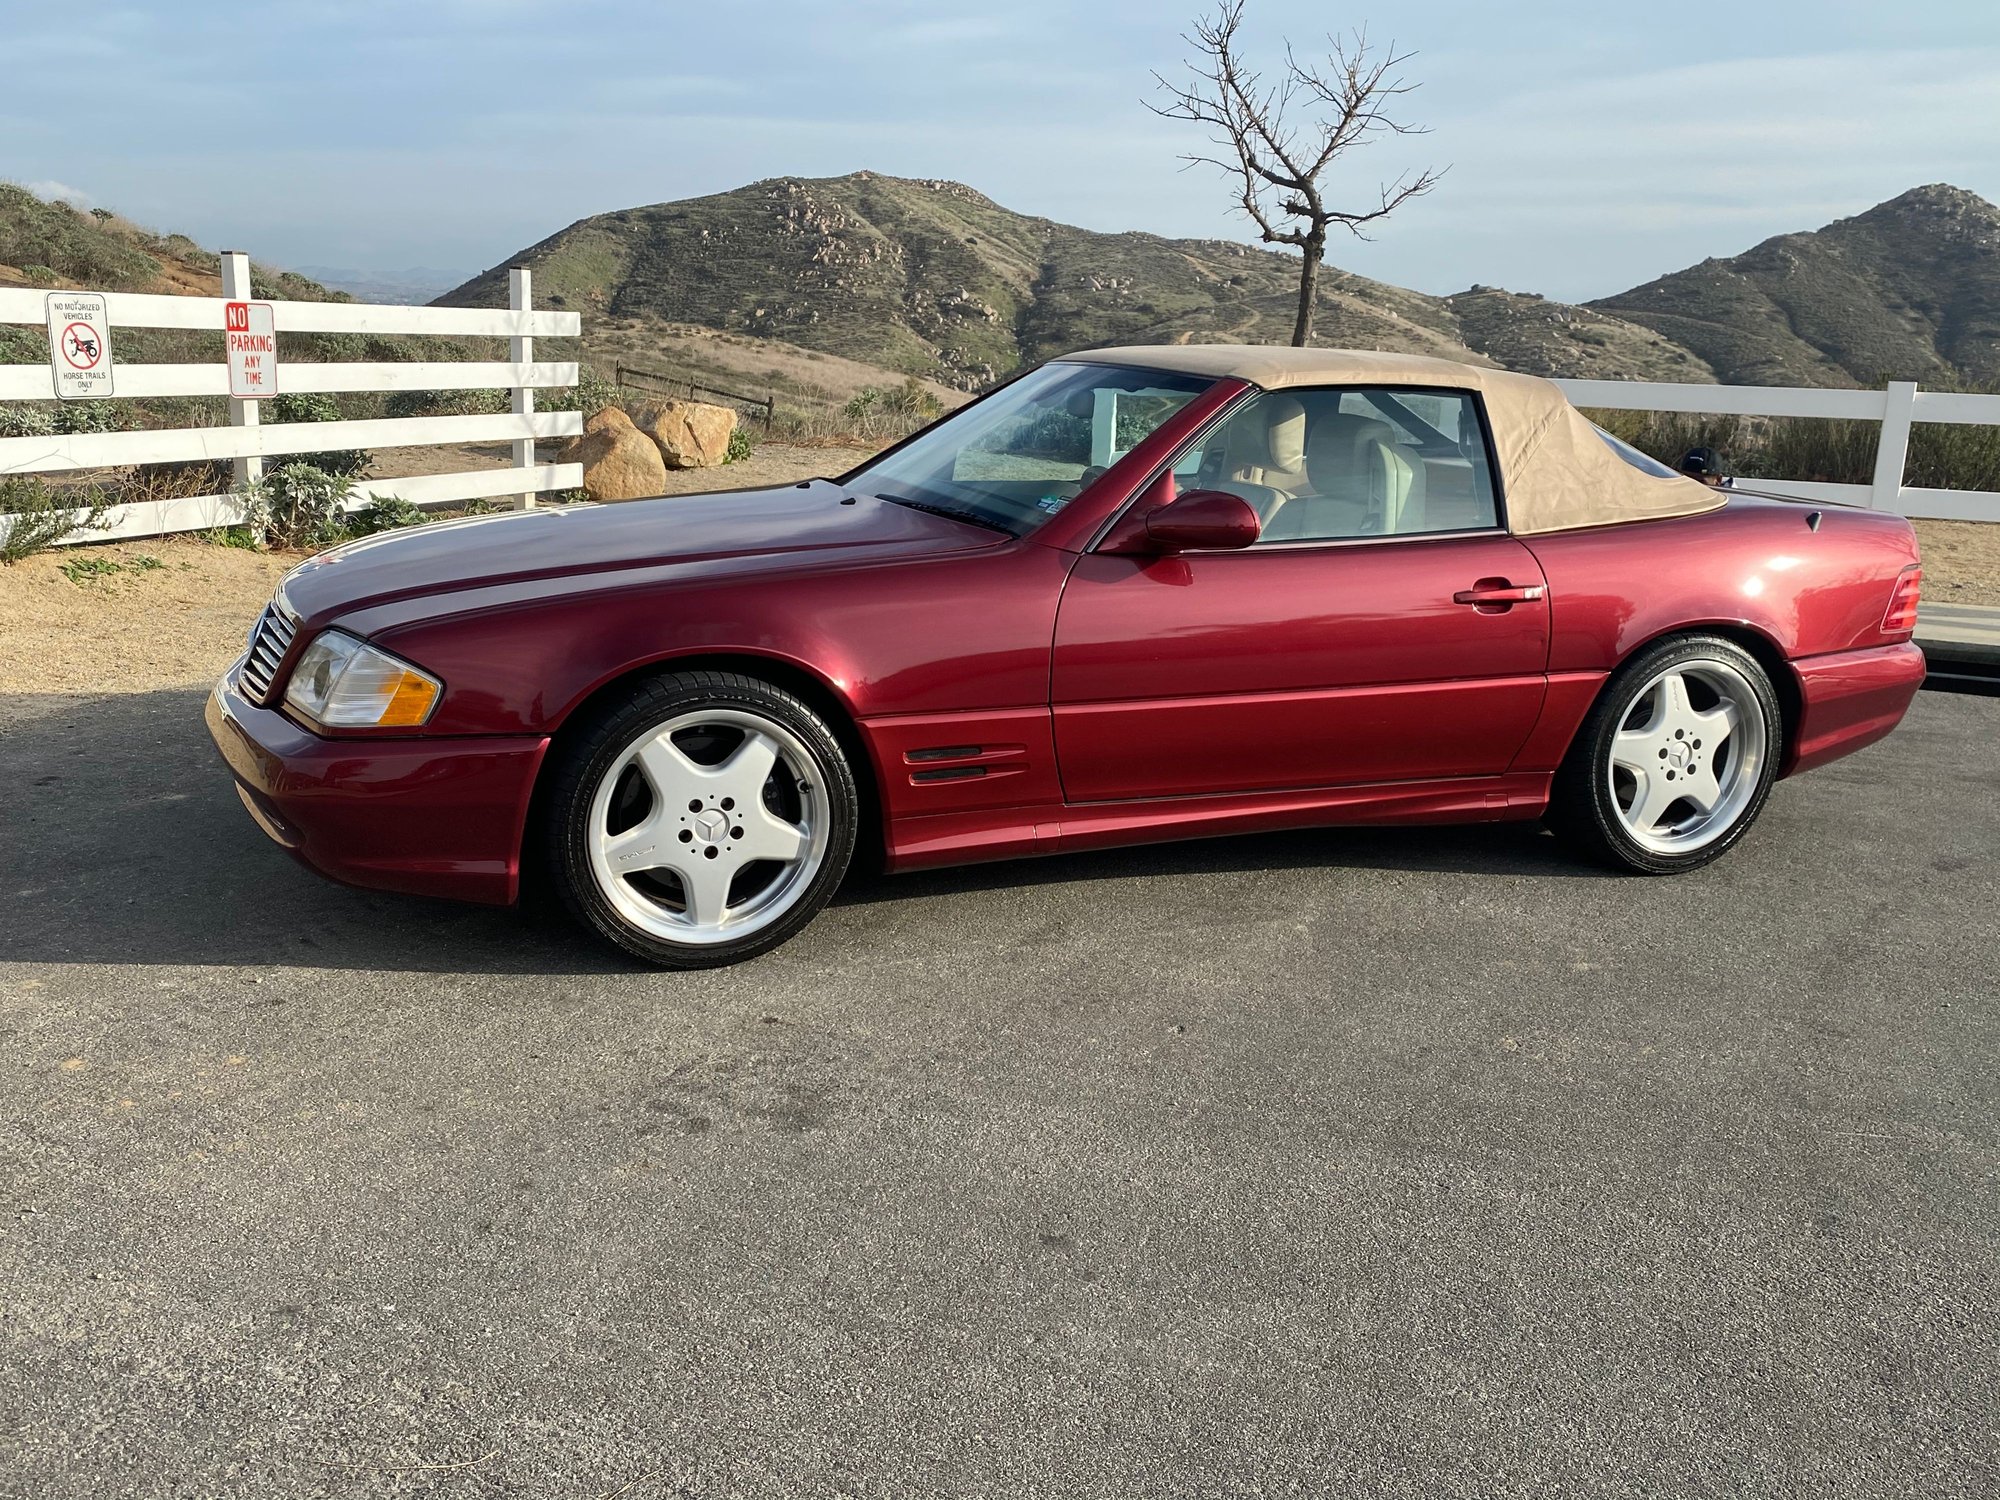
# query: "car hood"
[[750, 531]]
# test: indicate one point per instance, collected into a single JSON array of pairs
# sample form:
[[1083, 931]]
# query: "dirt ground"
[[132, 631], [1961, 561]]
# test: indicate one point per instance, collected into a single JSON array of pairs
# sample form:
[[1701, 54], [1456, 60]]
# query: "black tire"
[[597, 747], [1584, 805]]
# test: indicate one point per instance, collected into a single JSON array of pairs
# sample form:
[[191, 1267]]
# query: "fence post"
[[520, 286], [1893, 447], [236, 287]]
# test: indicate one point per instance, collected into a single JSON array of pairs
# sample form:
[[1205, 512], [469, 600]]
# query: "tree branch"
[[1351, 98]]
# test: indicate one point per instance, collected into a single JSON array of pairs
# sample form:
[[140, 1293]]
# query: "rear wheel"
[[1676, 760], [705, 819]]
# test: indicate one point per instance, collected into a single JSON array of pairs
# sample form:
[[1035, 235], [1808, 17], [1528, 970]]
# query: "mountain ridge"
[[1908, 289], [931, 277]]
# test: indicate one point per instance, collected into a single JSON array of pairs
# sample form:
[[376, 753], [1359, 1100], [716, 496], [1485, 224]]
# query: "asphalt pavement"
[[1375, 1164]]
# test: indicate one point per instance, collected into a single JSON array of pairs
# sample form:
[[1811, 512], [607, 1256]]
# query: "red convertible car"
[[1134, 594]]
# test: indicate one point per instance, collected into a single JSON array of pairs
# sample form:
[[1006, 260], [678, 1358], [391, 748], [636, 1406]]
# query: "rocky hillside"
[[1909, 289], [51, 244], [932, 278], [54, 244]]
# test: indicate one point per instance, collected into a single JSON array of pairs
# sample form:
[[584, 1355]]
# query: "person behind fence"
[[1702, 464]]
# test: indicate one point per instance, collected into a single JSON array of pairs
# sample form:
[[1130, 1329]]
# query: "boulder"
[[690, 434], [619, 461]]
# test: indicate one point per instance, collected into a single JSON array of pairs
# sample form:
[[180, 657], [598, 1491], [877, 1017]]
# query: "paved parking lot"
[[1412, 1164]]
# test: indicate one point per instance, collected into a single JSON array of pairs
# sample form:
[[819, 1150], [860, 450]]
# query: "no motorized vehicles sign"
[[80, 344], [253, 350]]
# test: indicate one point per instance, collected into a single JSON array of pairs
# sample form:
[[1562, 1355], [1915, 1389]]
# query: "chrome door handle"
[[1500, 594]]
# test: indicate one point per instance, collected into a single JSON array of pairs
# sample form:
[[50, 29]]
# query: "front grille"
[[268, 644]]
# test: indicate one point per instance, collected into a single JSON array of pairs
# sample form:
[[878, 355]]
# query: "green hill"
[[54, 244], [1910, 289], [932, 278]]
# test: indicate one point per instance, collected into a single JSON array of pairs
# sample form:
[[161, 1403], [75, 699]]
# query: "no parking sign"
[[253, 349], [80, 344]]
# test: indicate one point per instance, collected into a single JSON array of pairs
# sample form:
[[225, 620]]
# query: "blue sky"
[[1592, 146]]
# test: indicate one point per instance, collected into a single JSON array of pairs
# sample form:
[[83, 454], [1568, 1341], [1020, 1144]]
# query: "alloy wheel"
[[709, 827], [1688, 756]]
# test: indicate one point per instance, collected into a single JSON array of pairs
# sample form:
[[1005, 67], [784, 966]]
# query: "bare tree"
[[1278, 161]]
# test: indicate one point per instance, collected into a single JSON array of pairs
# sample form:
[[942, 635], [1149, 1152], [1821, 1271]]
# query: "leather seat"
[[1360, 484], [1262, 455]]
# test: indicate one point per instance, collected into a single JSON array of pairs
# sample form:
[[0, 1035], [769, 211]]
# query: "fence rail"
[[1896, 407], [767, 404], [246, 442]]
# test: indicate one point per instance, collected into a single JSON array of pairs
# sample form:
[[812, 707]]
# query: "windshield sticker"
[[1052, 503]]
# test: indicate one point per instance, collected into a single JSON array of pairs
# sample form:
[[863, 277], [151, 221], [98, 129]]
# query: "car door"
[[1384, 628]]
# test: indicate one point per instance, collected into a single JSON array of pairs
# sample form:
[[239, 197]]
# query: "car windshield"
[[1016, 458]]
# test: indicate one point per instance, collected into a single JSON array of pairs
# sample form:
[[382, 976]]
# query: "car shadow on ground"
[[123, 842]]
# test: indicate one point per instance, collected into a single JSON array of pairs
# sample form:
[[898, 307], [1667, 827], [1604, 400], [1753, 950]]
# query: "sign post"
[[80, 345], [242, 413]]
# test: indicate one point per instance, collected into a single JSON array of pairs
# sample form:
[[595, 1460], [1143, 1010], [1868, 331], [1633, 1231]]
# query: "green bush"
[[741, 446], [385, 513], [298, 506], [34, 518], [300, 407], [43, 418], [27, 419], [445, 403], [91, 416]]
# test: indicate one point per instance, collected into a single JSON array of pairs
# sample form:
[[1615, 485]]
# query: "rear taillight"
[[1902, 615]]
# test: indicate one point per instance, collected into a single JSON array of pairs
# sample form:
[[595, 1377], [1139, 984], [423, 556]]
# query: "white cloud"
[[60, 192]]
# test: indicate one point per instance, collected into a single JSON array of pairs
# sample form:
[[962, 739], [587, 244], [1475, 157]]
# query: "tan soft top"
[[1558, 472]]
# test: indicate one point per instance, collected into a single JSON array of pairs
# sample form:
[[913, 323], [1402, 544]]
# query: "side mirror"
[[1203, 521]]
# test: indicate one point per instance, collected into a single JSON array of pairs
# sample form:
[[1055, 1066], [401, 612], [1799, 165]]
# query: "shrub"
[[42, 418], [91, 416], [1953, 458], [300, 407], [33, 517], [741, 446], [298, 505], [445, 403], [179, 481], [385, 513], [27, 419]]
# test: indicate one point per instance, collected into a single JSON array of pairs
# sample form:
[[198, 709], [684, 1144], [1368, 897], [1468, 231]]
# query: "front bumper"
[[438, 817], [1849, 699]]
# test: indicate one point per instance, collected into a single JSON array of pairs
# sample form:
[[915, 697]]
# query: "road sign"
[[253, 350], [80, 345]]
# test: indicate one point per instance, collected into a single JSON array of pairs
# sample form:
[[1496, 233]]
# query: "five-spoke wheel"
[[1676, 760], [705, 819]]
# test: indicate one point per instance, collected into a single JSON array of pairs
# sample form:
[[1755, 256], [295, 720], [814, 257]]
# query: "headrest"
[[1341, 447], [1271, 434]]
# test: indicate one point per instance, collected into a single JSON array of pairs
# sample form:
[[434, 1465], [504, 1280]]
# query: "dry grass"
[[802, 380]]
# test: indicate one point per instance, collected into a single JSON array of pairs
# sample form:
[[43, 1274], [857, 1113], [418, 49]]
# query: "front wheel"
[[1676, 760], [705, 819]]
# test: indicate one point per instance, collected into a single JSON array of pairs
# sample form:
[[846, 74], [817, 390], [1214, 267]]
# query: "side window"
[[1329, 465]]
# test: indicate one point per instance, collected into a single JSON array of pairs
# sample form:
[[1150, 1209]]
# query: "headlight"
[[346, 683]]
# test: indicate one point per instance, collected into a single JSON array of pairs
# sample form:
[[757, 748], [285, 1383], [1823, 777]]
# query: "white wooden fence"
[[247, 442], [1896, 408]]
